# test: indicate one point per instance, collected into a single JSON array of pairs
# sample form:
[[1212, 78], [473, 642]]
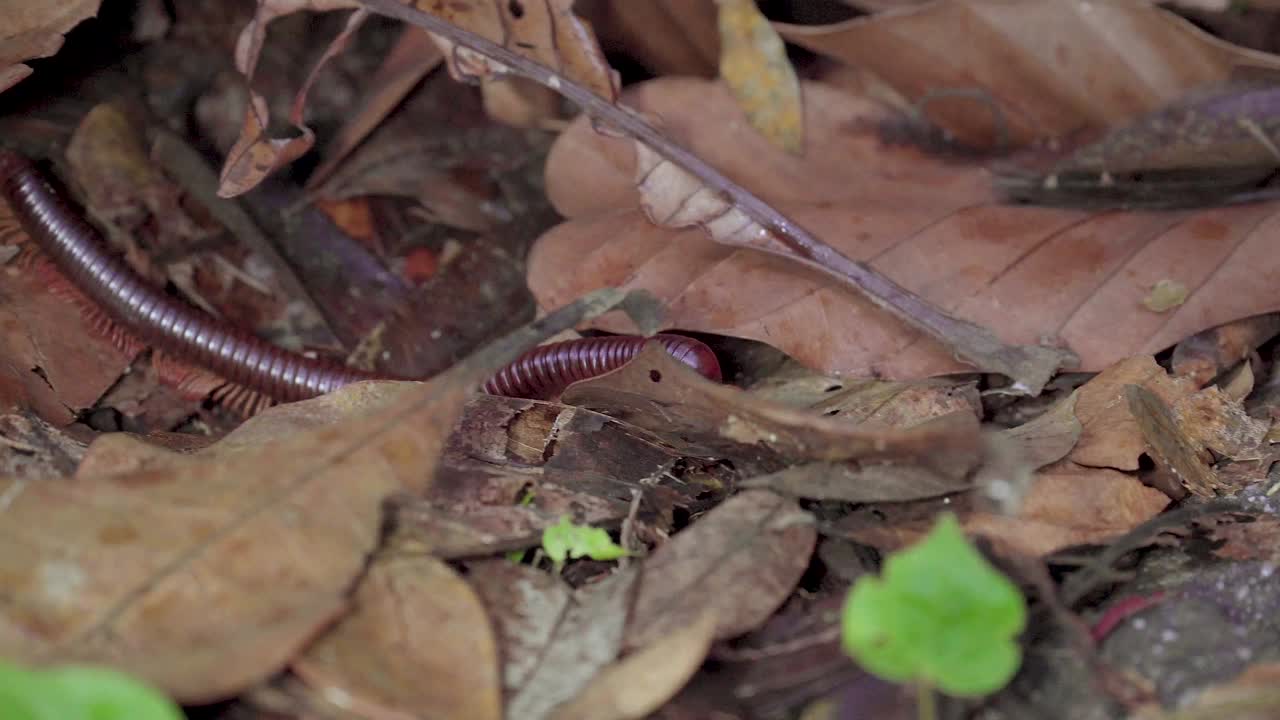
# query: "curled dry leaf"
[[256, 154], [932, 227], [739, 562], [667, 398], [546, 32], [31, 30], [638, 685], [1070, 73], [417, 644]]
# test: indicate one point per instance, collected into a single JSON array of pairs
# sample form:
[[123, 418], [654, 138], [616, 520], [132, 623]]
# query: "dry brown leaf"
[[413, 56], [1111, 436], [547, 32], [1050, 436], [123, 563], [738, 562], [664, 396], [932, 227], [31, 30], [1204, 356], [525, 604], [417, 644], [1041, 70], [755, 67], [1070, 505], [256, 154], [53, 362], [587, 637], [639, 684]]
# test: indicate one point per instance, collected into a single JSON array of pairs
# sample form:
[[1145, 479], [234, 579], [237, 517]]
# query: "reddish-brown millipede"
[[243, 359]]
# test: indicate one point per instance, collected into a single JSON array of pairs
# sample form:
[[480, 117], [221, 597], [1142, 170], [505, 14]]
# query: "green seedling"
[[566, 540], [79, 693], [939, 617]]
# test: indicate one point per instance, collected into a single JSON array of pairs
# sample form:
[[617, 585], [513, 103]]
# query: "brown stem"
[[1030, 367]]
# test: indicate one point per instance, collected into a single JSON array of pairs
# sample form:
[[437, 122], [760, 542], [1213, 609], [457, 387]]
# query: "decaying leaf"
[[587, 637], [122, 563], [664, 396], [932, 227], [1070, 74], [54, 362], [754, 64], [739, 562], [256, 154], [547, 32], [417, 644], [1205, 355], [639, 684], [31, 30]]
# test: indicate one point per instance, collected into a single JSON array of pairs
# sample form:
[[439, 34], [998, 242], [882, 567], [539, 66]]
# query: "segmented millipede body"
[[245, 360], [544, 371]]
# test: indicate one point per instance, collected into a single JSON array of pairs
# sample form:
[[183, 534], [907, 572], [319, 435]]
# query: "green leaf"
[[567, 540], [79, 693], [939, 615]]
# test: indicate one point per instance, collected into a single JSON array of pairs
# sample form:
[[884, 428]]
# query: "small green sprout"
[[79, 693], [939, 616], [567, 540]]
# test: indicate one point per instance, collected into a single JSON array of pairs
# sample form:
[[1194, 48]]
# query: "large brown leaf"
[[204, 572], [1047, 68], [1026, 273]]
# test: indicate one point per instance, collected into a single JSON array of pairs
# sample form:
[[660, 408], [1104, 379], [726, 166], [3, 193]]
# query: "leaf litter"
[[381, 551]]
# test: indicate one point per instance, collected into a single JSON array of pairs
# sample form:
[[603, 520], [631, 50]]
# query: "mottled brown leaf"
[[740, 561]]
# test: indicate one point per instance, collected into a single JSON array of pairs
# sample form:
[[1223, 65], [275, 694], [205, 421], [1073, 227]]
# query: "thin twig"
[[1029, 366]]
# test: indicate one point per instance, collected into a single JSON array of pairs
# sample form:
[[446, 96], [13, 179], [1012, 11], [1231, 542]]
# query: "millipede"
[[253, 372]]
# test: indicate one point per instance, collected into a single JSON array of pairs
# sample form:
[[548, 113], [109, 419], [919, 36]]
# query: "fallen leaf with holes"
[[639, 684], [32, 30], [933, 227], [416, 644], [755, 67], [739, 562], [973, 68]]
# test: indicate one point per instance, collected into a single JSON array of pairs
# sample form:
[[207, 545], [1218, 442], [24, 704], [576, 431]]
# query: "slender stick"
[[1030, 367]]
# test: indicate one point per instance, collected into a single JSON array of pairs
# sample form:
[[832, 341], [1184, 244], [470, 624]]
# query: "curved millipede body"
[[187, 333]]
